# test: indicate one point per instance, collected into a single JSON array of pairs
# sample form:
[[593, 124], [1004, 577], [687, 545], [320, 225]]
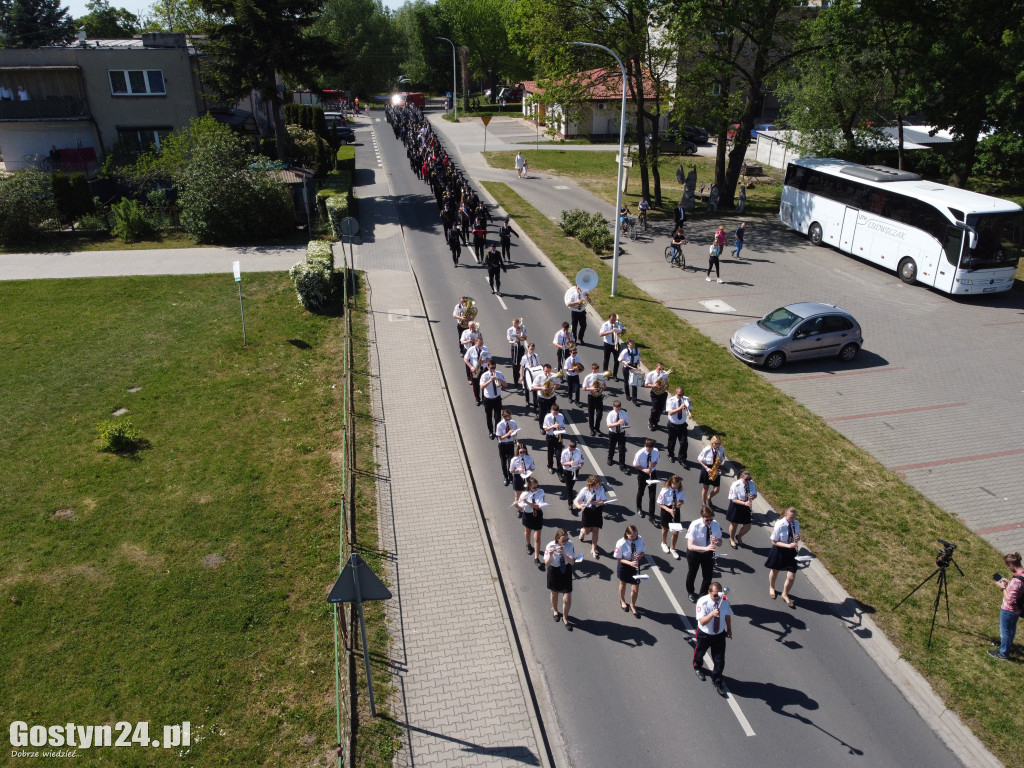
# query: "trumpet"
[[470, 314]]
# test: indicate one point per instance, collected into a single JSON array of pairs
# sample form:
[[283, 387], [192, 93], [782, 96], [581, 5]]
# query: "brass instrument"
[[599, 386], [618, 328], [661, 385], [470, 314], [549, 386], [716, 468], [576, 367]]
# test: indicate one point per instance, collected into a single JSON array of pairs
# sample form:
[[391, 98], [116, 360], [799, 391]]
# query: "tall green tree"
[[185, 16], [105, 22], [481, 26], [32, 23], [367, 49], [254, 42], [427, 61]]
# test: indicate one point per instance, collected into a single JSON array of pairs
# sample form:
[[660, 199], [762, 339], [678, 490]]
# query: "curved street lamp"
[[622, 159], [455, 90]]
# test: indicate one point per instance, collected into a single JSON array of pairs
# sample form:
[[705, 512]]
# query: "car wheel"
[[774, 361], [691, 151], [848, 352], [907, 271], [814, 233]]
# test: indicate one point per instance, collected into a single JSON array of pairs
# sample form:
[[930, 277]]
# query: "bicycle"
[[642, 219], [628, 227], [675, 256]]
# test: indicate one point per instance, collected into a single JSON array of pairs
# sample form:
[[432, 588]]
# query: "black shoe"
[[720, 689], [529, 549], [491, 435], [551, 471], [640, 512], [671, 457], [995, 654], [507, 482], [693, 597], [479, 403], [700, 673]]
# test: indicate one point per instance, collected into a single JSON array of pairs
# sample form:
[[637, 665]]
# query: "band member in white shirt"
[[491, 384], [678, 410], [469, 337], [577, 302], [629, 552], [711, 459], [590, 502], [741, 496], [476, 360], [563, 339], [572, 376], [618, 422], [631, 376], [657, 379], [611, 329], [670, 501], [782, 556], [646, 464], [594, 385], [702, 538], [515, 335], [553, 422], [533, 518], [544, 402], [520, 465], [714, 625], [530, 360], [559, 559], [571, 461], [506, 432], [459, 313]]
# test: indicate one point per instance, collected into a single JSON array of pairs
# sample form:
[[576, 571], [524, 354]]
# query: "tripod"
[[942, 561]]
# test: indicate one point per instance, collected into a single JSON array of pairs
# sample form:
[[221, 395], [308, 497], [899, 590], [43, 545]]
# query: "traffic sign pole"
[[238, 279]]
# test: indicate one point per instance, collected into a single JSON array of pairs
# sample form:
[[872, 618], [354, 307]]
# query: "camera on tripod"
[[945, 556]]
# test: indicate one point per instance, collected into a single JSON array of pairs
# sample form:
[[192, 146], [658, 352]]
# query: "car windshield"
[[781, 321]]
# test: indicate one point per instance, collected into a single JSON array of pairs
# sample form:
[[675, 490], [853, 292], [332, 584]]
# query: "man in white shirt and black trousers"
[[553, 422], [577, 303], [702, 538], [476, 360], [491, 384], [678, 409], [609, 330], [646, 463], [617, 421], [506, 432], [714, 625], [544, 403], [571, 461]]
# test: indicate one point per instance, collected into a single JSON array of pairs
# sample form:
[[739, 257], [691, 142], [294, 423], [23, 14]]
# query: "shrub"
[[62, 196], [591, 229], [26, 207], [224, 205], [131, 222], [338, 207], [312, 284], [119, 436], [346, 158], [81, 197], [320, 123], [93, 224], [306, 117]]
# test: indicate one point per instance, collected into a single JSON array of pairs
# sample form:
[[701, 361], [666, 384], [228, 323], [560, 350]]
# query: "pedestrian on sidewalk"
[[590, 502], [717, 246], [679, 216], [495, 266], [714, 625], [628, 552], [533, 518], [782, 557], [559, 558], [520, 162], [1010, 609], [740, 231], [526, 169]]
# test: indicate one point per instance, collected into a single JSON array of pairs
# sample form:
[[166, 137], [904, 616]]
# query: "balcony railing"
[[50, 108]]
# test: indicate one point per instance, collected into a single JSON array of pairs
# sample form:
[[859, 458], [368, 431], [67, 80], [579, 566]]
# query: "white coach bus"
[[957, 241]]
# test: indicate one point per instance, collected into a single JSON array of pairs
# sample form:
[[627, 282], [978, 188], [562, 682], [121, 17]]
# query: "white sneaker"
[[709, 279], [719, 279], [664, 547], [675, 554]]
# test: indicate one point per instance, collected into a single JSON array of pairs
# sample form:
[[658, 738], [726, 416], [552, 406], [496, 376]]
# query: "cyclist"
[[643, 206], [624, 218], [678, 241]]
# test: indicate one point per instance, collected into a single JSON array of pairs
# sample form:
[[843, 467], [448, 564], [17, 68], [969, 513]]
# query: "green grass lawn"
[[596, 172], [186, 582], [68, 241], [874, 532]]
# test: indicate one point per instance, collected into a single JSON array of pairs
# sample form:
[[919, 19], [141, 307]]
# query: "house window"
[[137, 82], [138, 140]]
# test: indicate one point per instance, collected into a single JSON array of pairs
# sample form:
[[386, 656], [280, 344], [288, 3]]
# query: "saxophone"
[[716, 468]]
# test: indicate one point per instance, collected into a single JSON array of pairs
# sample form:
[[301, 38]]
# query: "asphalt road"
[[617, 690]]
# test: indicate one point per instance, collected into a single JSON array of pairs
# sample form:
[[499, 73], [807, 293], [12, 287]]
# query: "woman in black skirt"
[[521, 464], [590, 501], [785, 541], [559, 557], [741, 496], [533, 517], [628, 551]]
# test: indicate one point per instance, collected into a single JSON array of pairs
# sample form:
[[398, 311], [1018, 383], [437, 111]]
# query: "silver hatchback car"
[[798, 332]]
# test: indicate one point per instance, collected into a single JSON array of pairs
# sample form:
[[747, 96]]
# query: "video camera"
[[945, 556]]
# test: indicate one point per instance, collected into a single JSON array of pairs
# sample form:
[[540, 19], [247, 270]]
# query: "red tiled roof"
[[603, 84]]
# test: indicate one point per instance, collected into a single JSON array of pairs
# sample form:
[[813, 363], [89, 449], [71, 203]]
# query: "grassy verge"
[[186, 581], [875, 533], [596, 172], [68, 241]]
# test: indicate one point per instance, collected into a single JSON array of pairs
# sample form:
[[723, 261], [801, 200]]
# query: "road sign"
[[370, 587], [237, 265], [349, 226], [486, 119]]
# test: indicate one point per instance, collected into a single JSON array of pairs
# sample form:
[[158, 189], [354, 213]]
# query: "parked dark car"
[[672, 143], [695, 134]]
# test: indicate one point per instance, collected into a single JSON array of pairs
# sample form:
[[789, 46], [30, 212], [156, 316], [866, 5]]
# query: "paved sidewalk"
[[463, 696]]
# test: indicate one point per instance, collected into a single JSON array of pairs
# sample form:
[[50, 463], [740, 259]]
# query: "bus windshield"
[[1000, 239]]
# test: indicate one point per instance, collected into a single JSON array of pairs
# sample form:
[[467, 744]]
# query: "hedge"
[[312, 276], [346, 158]]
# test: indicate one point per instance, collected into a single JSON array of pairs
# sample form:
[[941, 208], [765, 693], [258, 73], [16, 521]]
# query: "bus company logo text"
[[122, 734], [881, 227]]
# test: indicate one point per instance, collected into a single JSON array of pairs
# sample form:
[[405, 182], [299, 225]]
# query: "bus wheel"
[[907, 271], [814, 233], [847, 353], [774, 361]]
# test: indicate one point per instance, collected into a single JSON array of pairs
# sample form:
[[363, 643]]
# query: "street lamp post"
[[622, 160], [455, 90]]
